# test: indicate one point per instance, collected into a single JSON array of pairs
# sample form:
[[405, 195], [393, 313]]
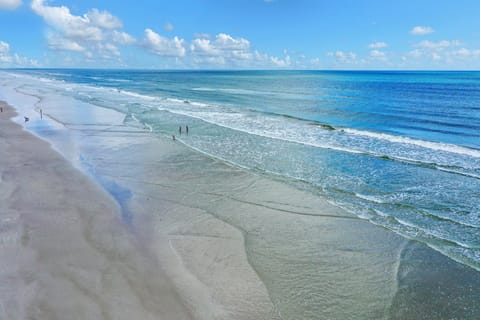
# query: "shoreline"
[[85, 252], [68, 254]]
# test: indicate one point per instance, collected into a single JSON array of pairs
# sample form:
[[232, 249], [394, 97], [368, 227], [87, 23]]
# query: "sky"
[[241, 34]]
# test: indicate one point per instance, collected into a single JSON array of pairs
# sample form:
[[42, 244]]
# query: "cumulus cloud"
[[433, 50], [416, 53], [96, 33], [224, 45], [122, 38], [341, 56], [436, 57], [227, 42], [421, 30], [103, 19], [9, 4], [444, 50], [464, 54], [204, 47], [281, 63], [4, 47], [59, 43], [377, 55], [7, 58], [224, 48], [71, 26], [438, 46], [163, 46], [377, 45], [264, 60]]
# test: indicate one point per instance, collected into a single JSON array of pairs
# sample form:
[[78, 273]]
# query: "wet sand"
[[65, 251]]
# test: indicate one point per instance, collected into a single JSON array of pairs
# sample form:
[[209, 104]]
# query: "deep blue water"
[[401, 149]]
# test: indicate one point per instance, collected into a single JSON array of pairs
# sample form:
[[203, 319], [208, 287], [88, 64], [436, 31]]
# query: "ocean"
[[398, 149]]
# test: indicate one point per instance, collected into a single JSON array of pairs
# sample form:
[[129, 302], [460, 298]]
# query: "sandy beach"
[[66, 253], [69, 256]]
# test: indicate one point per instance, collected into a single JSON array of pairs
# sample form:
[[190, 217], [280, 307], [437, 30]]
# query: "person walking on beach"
[[1, 109], [173, 137], [180, 130]]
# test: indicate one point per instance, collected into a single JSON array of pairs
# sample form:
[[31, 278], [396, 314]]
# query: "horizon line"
[[238, 69]]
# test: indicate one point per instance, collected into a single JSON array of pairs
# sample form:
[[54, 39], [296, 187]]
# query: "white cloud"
[[5, 56], [282, 63], [241, 55], [377, 45], [464, 54], [346, 57], [264, 60], [227, 42], [315, 62], [377, 55], [59, 43], [204, 47], [438, 46], [9, 59], [421, 30], [436, 57], [415, 53], [60, 18], [9, 4], [122, 38], [108, 50], [95, 34], [24, 62], [224, 45], [433, 50], [4, 47], [163, 46], [103, 19], [445, 51], [228, 51]]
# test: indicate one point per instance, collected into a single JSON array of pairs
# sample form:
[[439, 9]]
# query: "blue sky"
[[241, 34]]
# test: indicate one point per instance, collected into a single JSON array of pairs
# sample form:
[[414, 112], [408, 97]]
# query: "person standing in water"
[[186, 129], [41, 114], [180, 130]]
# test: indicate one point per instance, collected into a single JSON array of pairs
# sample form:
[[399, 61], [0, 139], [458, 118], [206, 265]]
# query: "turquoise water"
[[401, 149]]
